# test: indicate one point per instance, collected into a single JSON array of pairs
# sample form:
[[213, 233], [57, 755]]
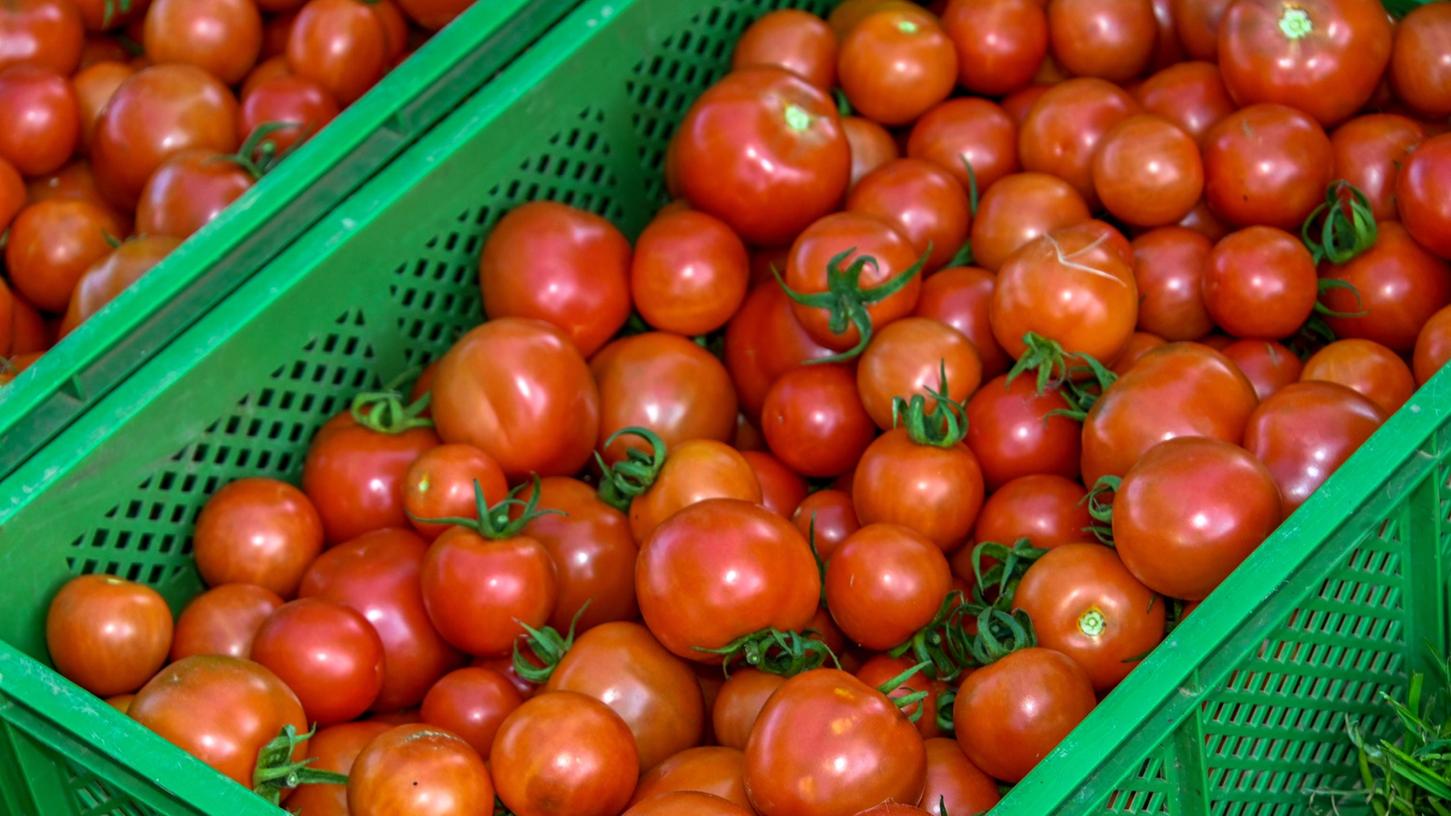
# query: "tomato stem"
[[383, 410], [998, 583], [1080, 385], [938, 644], [621, 482], [1344, 222], [276, 771], [495, 522], [906, 701], [773, 651], [846, 301], [1016, 634], [951, 426], [548, 647], [1099, 500], [1326, 284]]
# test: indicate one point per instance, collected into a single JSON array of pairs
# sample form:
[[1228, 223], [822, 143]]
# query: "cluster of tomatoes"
[[858, 479], [131, 124]]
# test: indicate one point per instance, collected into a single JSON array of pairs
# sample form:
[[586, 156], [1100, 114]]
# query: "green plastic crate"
[[446, 70], [1240, 711]]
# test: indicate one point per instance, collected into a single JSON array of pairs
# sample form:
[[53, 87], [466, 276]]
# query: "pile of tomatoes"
[[859, 478], [128, 125]]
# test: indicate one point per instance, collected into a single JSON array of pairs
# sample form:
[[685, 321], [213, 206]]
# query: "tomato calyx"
[[1295, 23], [277, 772], [548, 647], [906, 701], [384, 410], [497, 522], [846, 301], [999, 582], [773, 651], [940, 646], [951, 415], [257, 156], [1342, 227], [621, 482], [1099, 500], [1080, 378], [1001, 633]]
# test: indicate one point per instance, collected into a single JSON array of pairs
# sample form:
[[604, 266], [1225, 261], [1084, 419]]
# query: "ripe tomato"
[[188, 191], [1202, 220], [94, 87], [341, 45], [472, 703], [833, 517], [222, 621], [1268, 365], [967, 132], [418, 769], [1017, 105], [592, 549], [922, 201], [1066, 126], [1000, 43], [518, 572], [1139, 345], [305, 106], [720, 569], [884, 583], [1169, 266], [333, 749], [1418, 69], [883, 668], [328, 654], [960, 298], [559, 264], [222, 37], [934, 491], [1147, 171], [440, 484], [1018, 209], [666, 384], [895, 64], [689, 272], [434, 14], [1365, 367], [355, 475], [1197, 24], [764, 341], [955, 785], [698, 804], [1325, 57], [782, 489], [43, 117], [827, 743], [1011, 713], [51, 245], [795, 40], [107, 635], [907, 359], [1047, 510], [1369, 150], [257, 531], [44, 33], [519, 391], [1111, 40], [870, 144], [764, 151], [1266, 164], [1191, 95], [564, 752], [1421, 194], [112, 274], [1433, 347], [1259, 283], [1012, 432], [739, 703], [160, 111], [221, 710], [694, 471], [377, 576]]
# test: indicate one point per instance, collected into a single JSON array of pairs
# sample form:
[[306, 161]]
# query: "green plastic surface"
[[1241, 711], [108, 347]]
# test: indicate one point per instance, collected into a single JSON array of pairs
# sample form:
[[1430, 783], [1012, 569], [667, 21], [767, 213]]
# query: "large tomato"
[[962, 133], [693, 472], [907, 359], [421, 771], [955, 785], [188, 191], [895, 64], [1365, 367], [1266, 164], [564, 752], [222, 621], [1191, 95], [1418, 69], [52, 243], [1013, 432], [257, 531], [471, 702], [333, 749], [763, 341], [355, 475], [1169, 266], [43, 119], [884, 583], [923, 201], [1066, 125], [1422, 194], [1147, 171], [106, 634], [666, 384], [593, 551], [796, 40], [1111, 40], [1369, 151], [1306, 431], [1011, 713], [1018, 209], [689, 273], [110, 276], [328, 654], [1000, 43], [1259, 283], [933, 490], [1047, 510], [814, 420], [222, 37], [341, 45]]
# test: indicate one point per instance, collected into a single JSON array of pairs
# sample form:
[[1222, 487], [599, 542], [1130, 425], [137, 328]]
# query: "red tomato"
[[782, 489], [505, 666], [1422, 197], [222, 37], [341, 45], [355, 475], [377, 575], [884, 583], [43, 119], [472, 703], [693, 472], [51, 245], [764, 341], [517, 571], [1000, 43], [764, 151], [328, 654], [1011, 713], [1433, 347], [795, 40], [955, 785], [934, 491], [1266, 164], [564, 752], [1169, 265], [828, 743], [1167, 48], [519, 391], [1017, 105], [907, 359], [188, 191], [107, 635], [333, 749], [94, 87], [1047, 510], [695, 803], [593, 551], [1197, 23], [257, 531], [882, 668], [44, 33], [689, 272], [922, 201], [895, 64], [29, 332], [1018, 209], [739, 703], [274, 63], [300, 103], [1398, 286], [666, 384], [1418, 69], [870, 144], [1191, 95], [1369, 150], [1140, 344], [434, 14], [960, 298], [440, 484], [559, 264], [720, 569], [1112, 40], [1202, 220], [1365, 367], [1066, 126], [1269, 366], [222, 621], [419, 770], [1147, 171], [833, 517], [1259, 283], [1325, 57], [1012, 431], [110, 276], [967, 132]]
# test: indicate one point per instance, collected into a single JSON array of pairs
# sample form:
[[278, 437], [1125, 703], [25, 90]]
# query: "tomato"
[[44, 33], [954, 785], [257, 531], [328, 654], [472, 703], [274, 63], [782, 489], [934, 491], [1325, 57], [764, 341], [1047, 510], [884, 583], [906, 359], [1418, 68], [434, 14], [519, 391], [341, 45], [44, 119], [51, 245], [355, 475], [75, 181], [895, 64], [720, 569], [883, 668], [922, 201], [377, 575], [795, 40], [188, 191], [1114, 41], [1068, 286], [967, 132], [893, 809], [1147, 171], [1011, 713], [654, 692], [418, 769], [1369, 150], [112, 274], [1167, 48], [593, 553], [1181, 389], [107, 635], [94, 87], [1266, 164], [1259, 283], [828, 744], [334, 749], [1000, 43], [564, 752], [1191, 95], [693, 472], [1421, 194], [1017, 105], [12, 193], [845, 16], [1202, 220], [1066, 126], [1433, 347], [1013, 433], [1139, 344], [517, 571], [1018, 209], [689, 273], [764, 151], [1197, 24], [222, 621], [698, 804], [440, 484], [505, 667], [300, 103], [559, 264], [960, 298], [1365, 367], [870, 144], [739, 703], [1268, 365], [1169, 266], [666, 384], [222, 37], [221, 710], [8, 321]]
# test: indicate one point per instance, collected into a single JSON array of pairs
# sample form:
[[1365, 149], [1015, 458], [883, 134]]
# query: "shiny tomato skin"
[[795, 40], [51, 245], [1325, 57], [1418, 69], [782, 489], [1365, 367], [94, 87], [1266, 165], [419, 770], [895, 64], [763, 150], [933, 491], [830, 513], [471, 702], [1169, 266], [739, 703], [106, 634], [112, 274], [1197, 24], [1369, 151], [334, 748], [698, 804], [43, 119], [828, 744], [44, 33], [960, 297], [559, 264], [341, 45], [694, 471], [1047, 510], [963, 132], [1066, 126], [1012, 432], [440, 484], [518, 573], [328, 654], [1259, 283], [1148, 172], [1011, 713], [1019, 208], [764, 341], [520, 391], [222, 37], [301, 103], [922, 201], [689, 273], [1191, 95], [1399, 286], [1268, 365], [1421, 194], [1000, 43], [222, 621], [907, 358], [1140, 344], [665, 383], [954, 783], [1202, 220], [564, 752], [884, 583], [187, 192], [720, 569], [870, 144], [257, 531], [1113, 41], [1433, 346], [355, 475]]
